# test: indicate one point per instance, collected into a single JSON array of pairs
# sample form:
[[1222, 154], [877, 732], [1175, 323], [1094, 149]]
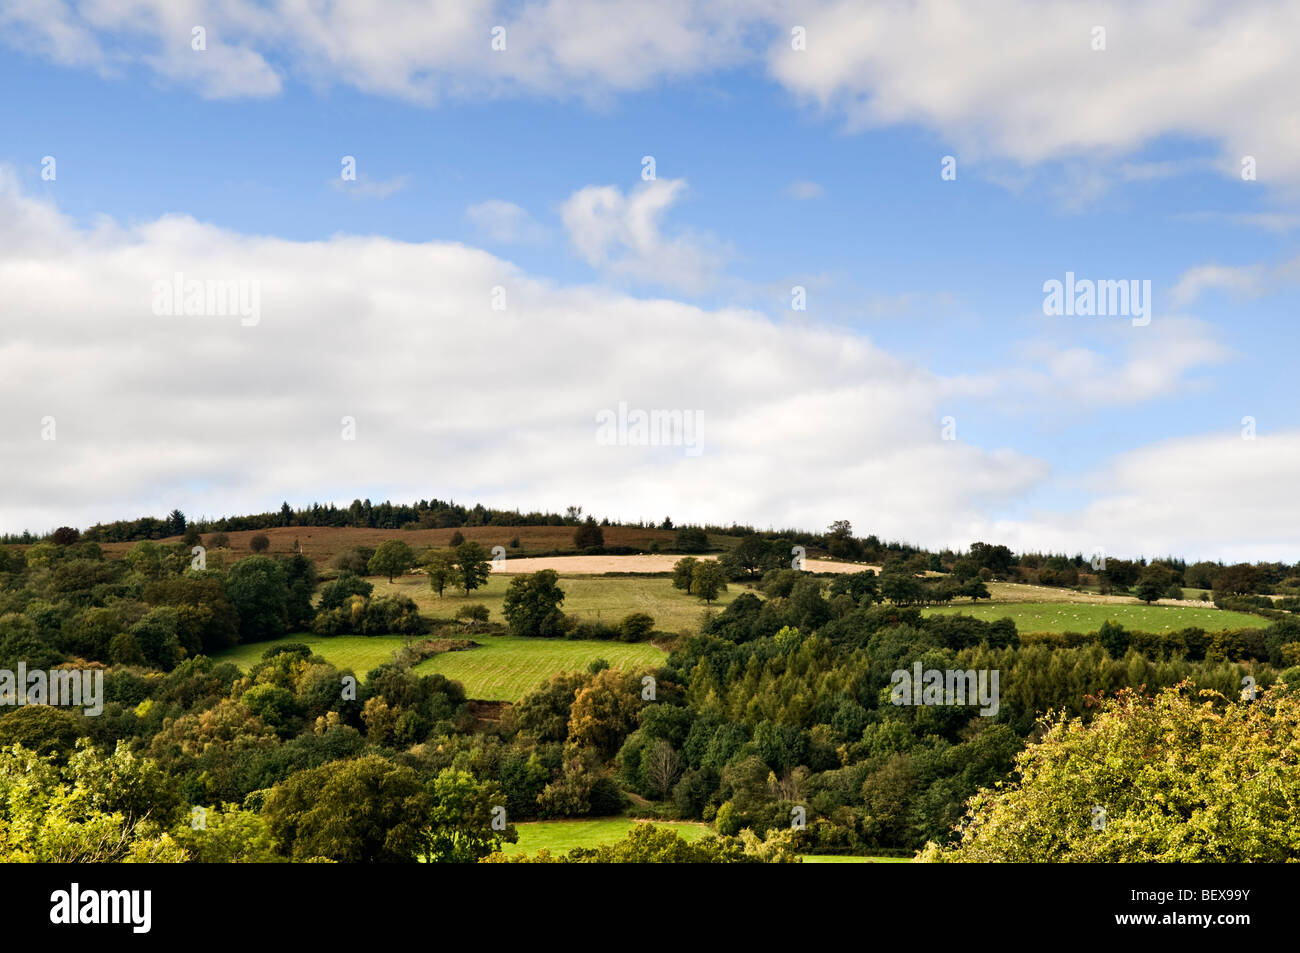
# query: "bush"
[[472, 613], [636, 627], [218, 541], [259, 543]]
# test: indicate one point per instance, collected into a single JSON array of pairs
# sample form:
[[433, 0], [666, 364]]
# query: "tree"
[[259, 589], [175, 523], [392, 558], [661, 767], [588, 535], [1090, 790], [286, 514], [532, 605], [472, 566], [975, 588], [259, 543], [605, 711], [751, 554], [691, 539], [461, 819], [1153, 583], [684, 572], [708, 580], [440, 565], [64, 536], [363, 810]]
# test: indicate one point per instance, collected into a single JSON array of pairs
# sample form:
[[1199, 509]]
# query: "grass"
[[1085, 617], [560, 837], [505, 668], [360, 653], [603, 598]]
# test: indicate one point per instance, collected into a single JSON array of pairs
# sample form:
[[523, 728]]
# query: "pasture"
[[594, 598], [1088, 616], [503, 668], [506, 668], [560, 837]]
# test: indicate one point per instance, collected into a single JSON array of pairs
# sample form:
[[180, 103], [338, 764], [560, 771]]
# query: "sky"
[[823, 233]]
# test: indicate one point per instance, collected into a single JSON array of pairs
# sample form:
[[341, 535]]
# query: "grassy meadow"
[[595, 598], [505, 668], [1088, 617]]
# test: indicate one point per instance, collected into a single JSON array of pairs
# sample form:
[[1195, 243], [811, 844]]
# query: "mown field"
[[560, 837], [360, 653], [1088, 617], [505, 668], [603, 598]]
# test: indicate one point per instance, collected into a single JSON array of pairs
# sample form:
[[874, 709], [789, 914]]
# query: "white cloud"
[[1215, 496], [1148, 362], [505, 222], [451, 398], [1015, 79], [1019, 79], [621, 234]]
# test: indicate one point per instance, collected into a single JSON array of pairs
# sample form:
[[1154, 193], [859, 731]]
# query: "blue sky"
[[766, 178]]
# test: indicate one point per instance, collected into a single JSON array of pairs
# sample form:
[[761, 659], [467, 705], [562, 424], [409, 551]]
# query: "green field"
[[1085, 617], [560, 837], [360, 653], [604, 598], [505, 668]]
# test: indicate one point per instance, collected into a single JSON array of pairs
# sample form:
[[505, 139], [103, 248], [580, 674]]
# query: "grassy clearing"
[[560, 837], [360, 653], [1086, 617], [603, 598], [505, 668]]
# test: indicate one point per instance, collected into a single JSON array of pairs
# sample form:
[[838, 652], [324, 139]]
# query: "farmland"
[[560, 837], [593, 598], [502, 668], [1088, 617], [505, 668]]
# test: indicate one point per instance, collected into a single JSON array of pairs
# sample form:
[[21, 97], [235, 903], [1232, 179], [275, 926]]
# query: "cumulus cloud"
[[1140, 364], [450, 397], [1017, 79], [1216, 496], [622, 235]]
